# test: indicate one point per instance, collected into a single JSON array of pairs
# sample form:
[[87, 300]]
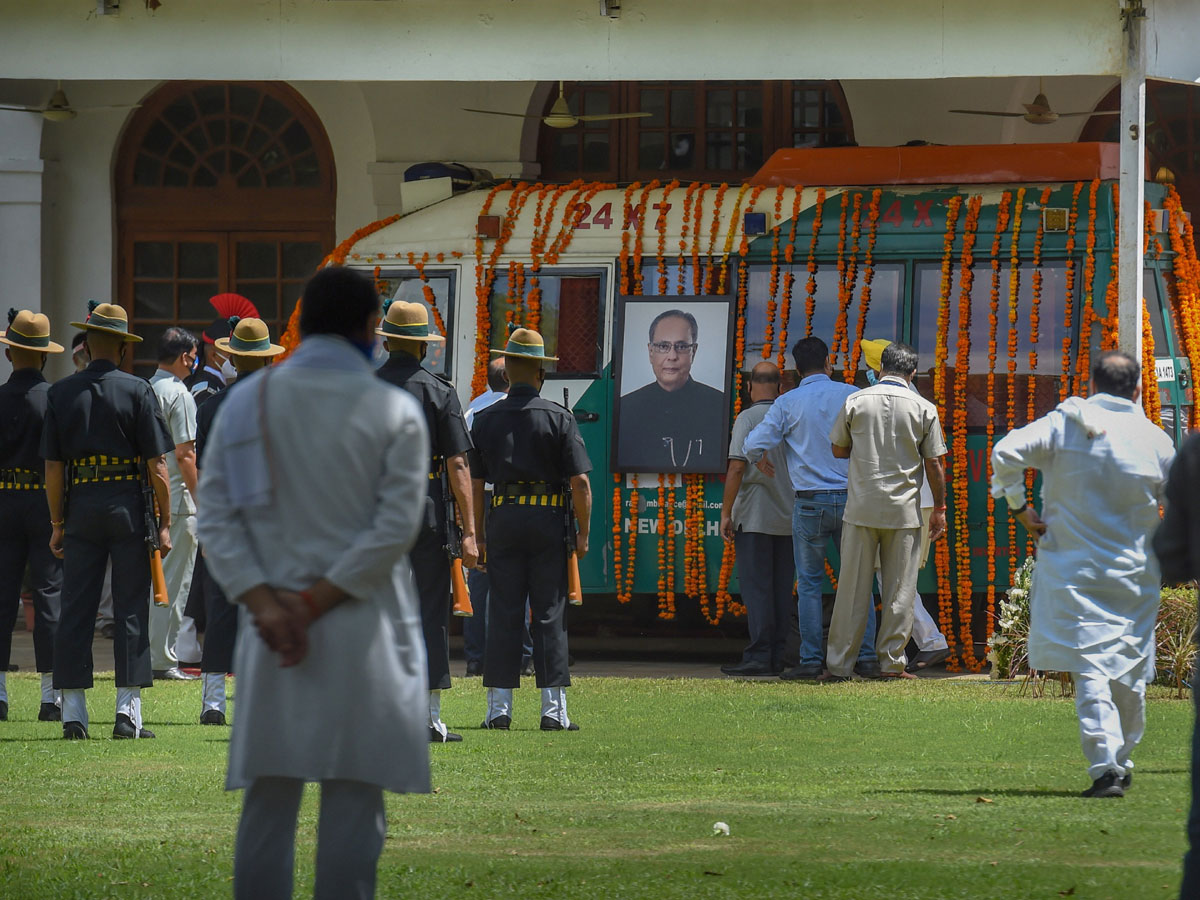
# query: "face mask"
[[872, 378], [228, 372]]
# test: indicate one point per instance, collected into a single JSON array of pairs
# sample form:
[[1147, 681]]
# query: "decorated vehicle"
[[998, 264]]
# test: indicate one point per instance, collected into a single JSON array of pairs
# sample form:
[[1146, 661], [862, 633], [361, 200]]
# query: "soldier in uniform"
[[530, 449], [405, 328], [24, 525], [104, 432], [249, 346]]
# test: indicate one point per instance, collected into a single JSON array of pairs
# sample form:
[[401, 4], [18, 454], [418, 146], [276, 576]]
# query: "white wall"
[[490, 40], [20, 217]]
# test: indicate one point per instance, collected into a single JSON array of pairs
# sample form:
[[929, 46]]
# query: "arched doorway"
[[219, 187], [1172, 133], [696, 130]]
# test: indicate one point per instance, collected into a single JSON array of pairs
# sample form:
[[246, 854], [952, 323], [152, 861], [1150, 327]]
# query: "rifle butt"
[[462, 596], [574, 589], [158, 580]]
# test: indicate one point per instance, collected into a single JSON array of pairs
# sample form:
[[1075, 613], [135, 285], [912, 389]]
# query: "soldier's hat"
[[872, 352], [247, 337], [109, 318], [525, 343], [407, 320], [29, 331]]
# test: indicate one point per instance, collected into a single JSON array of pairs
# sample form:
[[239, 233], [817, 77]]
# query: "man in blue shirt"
[[800, 420]]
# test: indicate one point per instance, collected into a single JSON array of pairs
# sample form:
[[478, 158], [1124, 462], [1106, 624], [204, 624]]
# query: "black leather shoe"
[[868, 670], [3, 710], [802, 673], [1107, 785], [474, 668], [74, 731], [747, 668], [500, 723], [124, 729], [173, 674], [549, 724], [1127, 780], [436, 737], [527, 668], [927, 659], [49, 712], [212, 717]]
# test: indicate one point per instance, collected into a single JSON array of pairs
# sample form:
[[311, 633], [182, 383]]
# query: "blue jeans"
[[815, 521], [475, 626]]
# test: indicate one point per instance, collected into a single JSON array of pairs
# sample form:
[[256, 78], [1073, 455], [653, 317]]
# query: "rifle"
[[150, 516], [458, 582], [574, 589]]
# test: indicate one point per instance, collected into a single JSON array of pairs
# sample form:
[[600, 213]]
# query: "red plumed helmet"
[[228, 305]]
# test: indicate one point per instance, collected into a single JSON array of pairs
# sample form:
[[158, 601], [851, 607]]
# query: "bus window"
[[1049, 346], [408, 287], [570, 311]]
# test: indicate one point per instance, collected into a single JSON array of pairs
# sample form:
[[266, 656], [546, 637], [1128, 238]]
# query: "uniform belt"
[[435, 467], [98, 469], [804, 495], [526, 488], [19, 479], [528, 499]]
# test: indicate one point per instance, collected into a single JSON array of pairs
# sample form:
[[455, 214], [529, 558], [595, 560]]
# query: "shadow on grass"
[[982, 792]]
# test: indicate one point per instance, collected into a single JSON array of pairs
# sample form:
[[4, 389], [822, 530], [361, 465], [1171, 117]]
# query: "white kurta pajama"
[[341, 498], [1095, 591]]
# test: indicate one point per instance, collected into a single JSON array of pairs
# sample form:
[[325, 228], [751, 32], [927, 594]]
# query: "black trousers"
[[196, 607], [766, 573], [25, 541], [526, 557], [221, 622], [431, 571], [104, 521]]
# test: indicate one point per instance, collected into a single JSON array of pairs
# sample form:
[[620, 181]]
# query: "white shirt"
[[1096, 585], [179, 409], [347, 456], [482, 402]]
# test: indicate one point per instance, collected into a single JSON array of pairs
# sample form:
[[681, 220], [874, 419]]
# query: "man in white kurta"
[[1096, 585], [312, 492]]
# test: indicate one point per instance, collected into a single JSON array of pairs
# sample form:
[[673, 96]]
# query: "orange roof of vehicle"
[[976, 164]]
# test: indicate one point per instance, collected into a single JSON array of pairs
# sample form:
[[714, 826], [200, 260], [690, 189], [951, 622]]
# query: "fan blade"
[[32, 109], [1094, 112], [494, 112], [637, 115], [986, 112], [106, 108]]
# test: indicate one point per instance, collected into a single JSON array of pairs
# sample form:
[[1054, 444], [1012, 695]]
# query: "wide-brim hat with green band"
[[525, 343], [409, 321], [248, 337], [29, 331], [109, 318], [872, 352]]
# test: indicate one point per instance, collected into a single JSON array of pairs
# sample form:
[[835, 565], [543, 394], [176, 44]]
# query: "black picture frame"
[[651, 423]]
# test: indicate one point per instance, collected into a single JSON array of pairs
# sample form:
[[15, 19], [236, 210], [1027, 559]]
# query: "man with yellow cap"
[[104, 433], [248, 344], [932, 646], [405, 329], [24, 524], [529, 449]]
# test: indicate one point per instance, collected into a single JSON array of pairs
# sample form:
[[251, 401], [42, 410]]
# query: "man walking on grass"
[[893, 439], [1096, 587]]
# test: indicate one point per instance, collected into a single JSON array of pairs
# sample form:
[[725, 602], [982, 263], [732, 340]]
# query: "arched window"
[[220, 187], [696, 130], [1172, 133]]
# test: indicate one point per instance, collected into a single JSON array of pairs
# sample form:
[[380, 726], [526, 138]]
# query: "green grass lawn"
[[858, 791]]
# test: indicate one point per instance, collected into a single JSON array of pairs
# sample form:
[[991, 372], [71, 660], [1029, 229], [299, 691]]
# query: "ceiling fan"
[[560, 115], [1038, 112], [59, 109]]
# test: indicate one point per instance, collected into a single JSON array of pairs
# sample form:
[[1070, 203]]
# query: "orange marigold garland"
[[1151, 401], [789, 279], [1002, 212], [660, 225], [485, 275], [864, 300], [739, 342], [1087, 312], [634, 504], [639, 234], [626, 219], [683, 235], [671, 541], [773, 286], [847, 271], [958, 453], [713, 231], [1014, 296], [1064, 378], [1187, 283], [810, 305], [697, 217], [1110, 324], [941, 351]]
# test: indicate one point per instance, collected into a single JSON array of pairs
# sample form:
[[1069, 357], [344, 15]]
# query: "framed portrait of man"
[[673, 371]]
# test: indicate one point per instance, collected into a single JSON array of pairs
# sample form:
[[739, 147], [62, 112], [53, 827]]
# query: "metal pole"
[[1133, 178]]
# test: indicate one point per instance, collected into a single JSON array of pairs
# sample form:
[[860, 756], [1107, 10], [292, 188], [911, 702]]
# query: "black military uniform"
[[102, 423], [24, 518], [528, 448], [448, 436]]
